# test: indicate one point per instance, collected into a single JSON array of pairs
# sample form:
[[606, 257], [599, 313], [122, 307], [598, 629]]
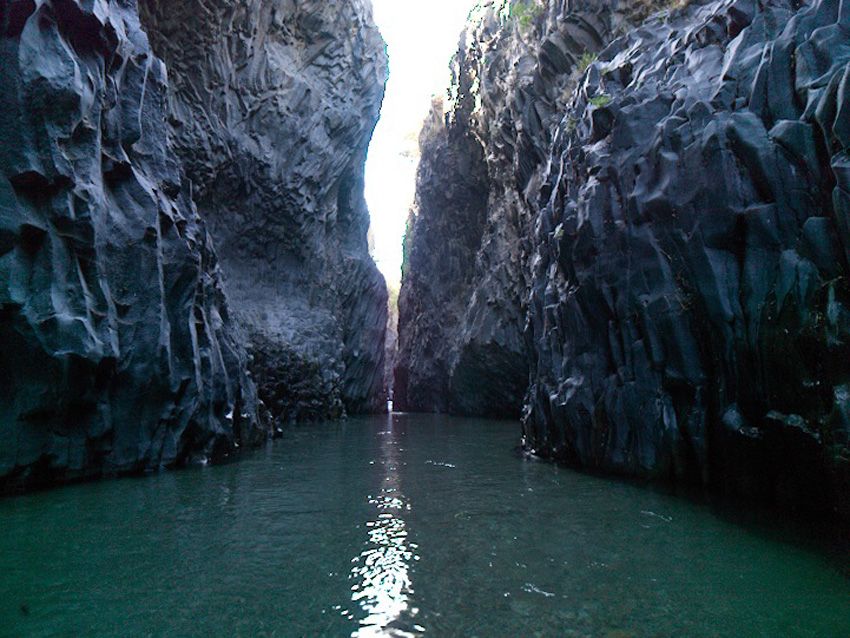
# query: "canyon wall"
[[459, 343], [271, 107], [174, 239], [664, 230]]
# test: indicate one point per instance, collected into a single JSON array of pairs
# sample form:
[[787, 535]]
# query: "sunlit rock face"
[[681, 208], [117, 350], [271, 108]]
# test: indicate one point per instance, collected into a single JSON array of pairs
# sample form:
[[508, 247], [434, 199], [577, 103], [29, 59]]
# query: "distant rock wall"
[[681, 207], [466, 275], [272, 107], [123, 332], [448, 361]]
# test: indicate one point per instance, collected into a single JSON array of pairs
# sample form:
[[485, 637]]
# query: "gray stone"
[[670, 229], [123, 333], [118, 350], [272, 106]]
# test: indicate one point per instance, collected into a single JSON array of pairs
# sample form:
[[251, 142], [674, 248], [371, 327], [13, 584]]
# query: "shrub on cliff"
[[525, 12]]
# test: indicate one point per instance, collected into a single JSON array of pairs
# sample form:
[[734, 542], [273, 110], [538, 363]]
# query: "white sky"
[[422, 36]]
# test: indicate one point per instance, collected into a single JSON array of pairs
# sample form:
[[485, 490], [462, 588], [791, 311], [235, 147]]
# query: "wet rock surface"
[[681, 207], [118, 352], [157, 217]]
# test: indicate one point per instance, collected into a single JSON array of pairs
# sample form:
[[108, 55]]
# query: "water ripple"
[[381, 572]]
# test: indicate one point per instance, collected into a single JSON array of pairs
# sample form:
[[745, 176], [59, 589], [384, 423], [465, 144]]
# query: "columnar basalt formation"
[[680, 193], [123, 333], [462, 304], [118, 352], [271, 107], [445, 366]]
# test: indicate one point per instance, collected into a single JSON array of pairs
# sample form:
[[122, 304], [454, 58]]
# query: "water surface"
[[403, 525]]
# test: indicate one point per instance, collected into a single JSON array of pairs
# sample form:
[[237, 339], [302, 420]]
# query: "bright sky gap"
[[421, 36]]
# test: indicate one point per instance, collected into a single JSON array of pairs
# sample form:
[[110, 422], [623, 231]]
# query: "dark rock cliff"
[[462, 303], [272, 106], [447, 362], [674, 235], [118, 352], [122, 333]]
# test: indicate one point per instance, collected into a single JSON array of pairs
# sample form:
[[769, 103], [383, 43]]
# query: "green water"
[[398, 526]]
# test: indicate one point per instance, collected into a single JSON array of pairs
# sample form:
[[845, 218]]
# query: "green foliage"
[[603, 99], [571, 124], [675, 5], [525, 12], [586, 60]]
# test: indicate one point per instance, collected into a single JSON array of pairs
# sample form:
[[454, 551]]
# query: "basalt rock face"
[[463, 299], [684, 247], [441, 360], [122, 332], [117, 352], [272, 106]]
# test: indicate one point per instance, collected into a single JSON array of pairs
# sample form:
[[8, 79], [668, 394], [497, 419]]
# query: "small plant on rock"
[[603, 99], [525, 12], [586, 60], [559, 233]]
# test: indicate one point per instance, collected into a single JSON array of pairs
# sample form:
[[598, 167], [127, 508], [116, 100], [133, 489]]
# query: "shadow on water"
[[829, 536], [408, 525]]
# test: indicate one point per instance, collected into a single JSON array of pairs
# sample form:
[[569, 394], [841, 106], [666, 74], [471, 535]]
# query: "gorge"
[[621, 365], [135, 185], [637, 239]]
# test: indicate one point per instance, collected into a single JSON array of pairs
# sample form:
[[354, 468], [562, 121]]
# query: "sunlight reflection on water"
[[272, 546], [381, 573]]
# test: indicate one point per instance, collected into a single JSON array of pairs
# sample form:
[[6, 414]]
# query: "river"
[[406, 525]]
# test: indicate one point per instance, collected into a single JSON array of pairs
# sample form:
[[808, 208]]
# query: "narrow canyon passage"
[[405, 525], [596, 253]]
